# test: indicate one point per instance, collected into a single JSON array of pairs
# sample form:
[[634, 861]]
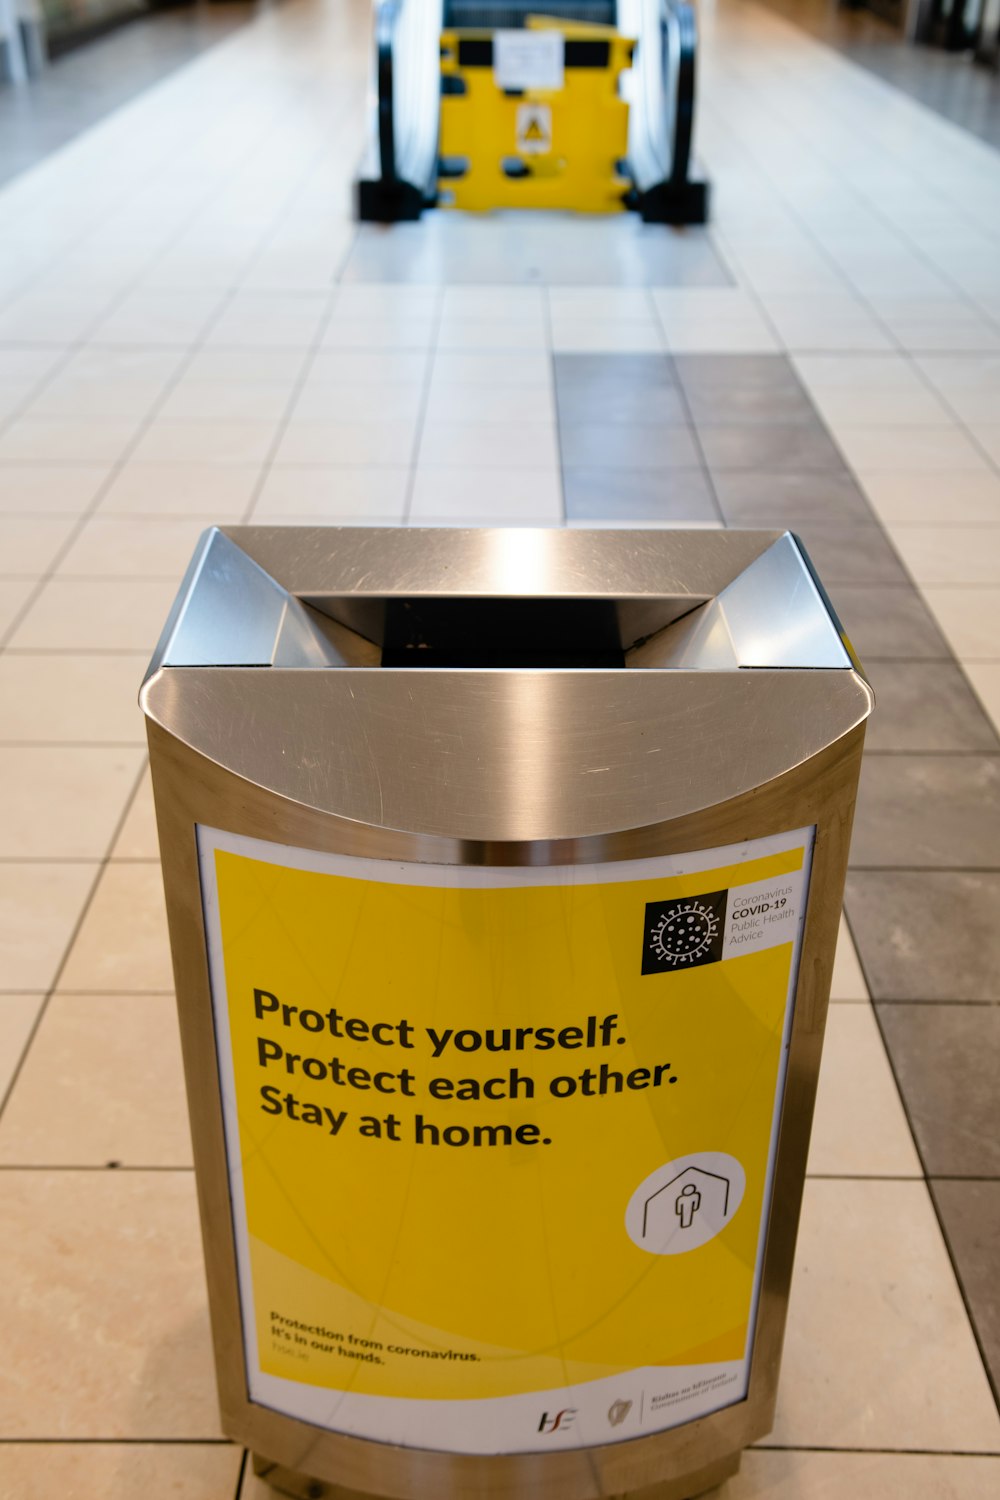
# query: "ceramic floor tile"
[[59, 489], [506, 404], [874, 408], [327, 402], [638, 495], [945, 1058], [985, 679], [523, 369], [137, 838], [874, 450], [31, 439], [615, 401], [133, 1287], [351, 443], [81, 615], [627, 445], [381, 333], [234, 401], [970, 1214], [928, 811], [62, 803], [331, 492], [752, 498], [926, 706], [848, 373], [874, 1321], [859, 1128], [184, 1471], [910, 498], [14, 595], [774, 448], [103, 1083], [71, 699], [39, 907], [30, 544], [969, 383], [731, 390], [245, 367], [122, 946], [947, 554], [888, 620], [848, 981], [968, 618], [927, 934], [851, 554], [18, 1014], [849, 1476], [492, 334], [170, 319], [269, 321], [488, 445], [606, 336], [205, 442], [530, 496], [133, 547], [222, 491]]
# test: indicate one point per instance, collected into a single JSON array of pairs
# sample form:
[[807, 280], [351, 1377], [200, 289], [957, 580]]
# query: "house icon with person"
[[689, 1203]]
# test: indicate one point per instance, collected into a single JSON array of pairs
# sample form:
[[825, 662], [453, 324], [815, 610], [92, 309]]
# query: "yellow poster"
[[500, 1140]]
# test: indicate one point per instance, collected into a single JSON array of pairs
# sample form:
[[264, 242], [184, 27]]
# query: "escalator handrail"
[[386, 18], [681, 31]]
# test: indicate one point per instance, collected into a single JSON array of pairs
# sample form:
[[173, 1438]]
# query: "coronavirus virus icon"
[[682, 934], [685, 936]]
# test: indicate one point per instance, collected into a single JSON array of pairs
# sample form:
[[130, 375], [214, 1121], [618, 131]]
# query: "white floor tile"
[[333, 492], [873, 450], [969, 619], [947, 554], [859, 1129], [30, 544], [879, 1352], [532, 496], [219, 491], [488, 445], [985, 678], [850, 1476], [911, 498]]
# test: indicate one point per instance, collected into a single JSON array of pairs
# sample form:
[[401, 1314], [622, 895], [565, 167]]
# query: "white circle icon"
[[685, 1203]]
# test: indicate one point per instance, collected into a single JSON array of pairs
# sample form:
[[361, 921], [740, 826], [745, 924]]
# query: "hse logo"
[[684, 933], [558, 1422]]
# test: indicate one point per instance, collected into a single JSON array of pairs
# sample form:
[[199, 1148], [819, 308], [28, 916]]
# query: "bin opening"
[[502, 633]]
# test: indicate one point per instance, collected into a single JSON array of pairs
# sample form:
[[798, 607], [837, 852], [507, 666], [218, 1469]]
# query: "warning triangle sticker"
[[534, 129]]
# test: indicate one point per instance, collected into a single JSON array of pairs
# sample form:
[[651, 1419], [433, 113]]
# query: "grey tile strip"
[[924, 888]]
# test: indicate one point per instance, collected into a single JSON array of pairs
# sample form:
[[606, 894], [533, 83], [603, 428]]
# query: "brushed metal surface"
[[498, 767]]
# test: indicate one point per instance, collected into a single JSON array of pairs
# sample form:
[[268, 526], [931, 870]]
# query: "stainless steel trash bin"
[[503, 871]]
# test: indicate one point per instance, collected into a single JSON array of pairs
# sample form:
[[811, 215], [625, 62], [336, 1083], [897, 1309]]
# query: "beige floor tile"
[[73, 442], [985, 678], [103, 1082], [138, 838], [134, 547], [858, 1476], [39, 908], [879, 1352], [105, 1471], [848, 980], [62, 803], [969, 619], [488, 445], [351, 443], [78, 698], [859, 1129], [18, 1014], [222, 491], [531, 496], [122, 946], [329, 492], [873, 450], [103, 1307], [14, 595], [30, 544], [111, 615], [205, 442], [36, 488], [908, 498], [950, 554]]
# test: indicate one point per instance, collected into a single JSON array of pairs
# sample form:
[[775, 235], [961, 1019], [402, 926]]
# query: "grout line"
[[71, 940]]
